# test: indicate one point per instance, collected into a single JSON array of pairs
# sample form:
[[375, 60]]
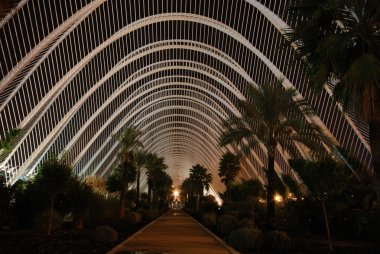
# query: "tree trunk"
[[374, 136], [138, 187], [198, 201], [270, 186], [51, 215], [154, 194], [79, 221], [327, 226], [228, 188], [253, 215], [122, 201], [149, 191]]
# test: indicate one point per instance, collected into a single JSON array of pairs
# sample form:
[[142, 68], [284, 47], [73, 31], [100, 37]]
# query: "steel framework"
[[74, 72]]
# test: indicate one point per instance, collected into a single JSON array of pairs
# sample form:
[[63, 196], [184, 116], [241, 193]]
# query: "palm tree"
[[187, 190], [140, 158], [128, 140], [269, 117], [229, 167], [54, 177], [164, 187], [200, 180], [121, 178], [339, 43], [155, 167], [324, 178]]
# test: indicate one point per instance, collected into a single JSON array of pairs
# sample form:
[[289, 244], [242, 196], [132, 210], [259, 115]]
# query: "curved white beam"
[[142, 119]]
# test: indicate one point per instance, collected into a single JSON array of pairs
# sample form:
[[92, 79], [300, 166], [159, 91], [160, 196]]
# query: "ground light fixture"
[[278, 198]]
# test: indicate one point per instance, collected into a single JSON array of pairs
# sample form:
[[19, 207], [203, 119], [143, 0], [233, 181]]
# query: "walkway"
[[174, 232]]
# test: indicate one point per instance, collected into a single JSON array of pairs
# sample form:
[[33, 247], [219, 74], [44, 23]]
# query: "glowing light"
[[278, 198], [176, 193], [292, 197]]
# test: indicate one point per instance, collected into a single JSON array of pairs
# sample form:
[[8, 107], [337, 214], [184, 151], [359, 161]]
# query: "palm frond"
[[245, 148]]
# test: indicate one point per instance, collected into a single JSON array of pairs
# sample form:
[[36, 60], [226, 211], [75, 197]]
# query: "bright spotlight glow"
[[292, 197], [176, 193], [278, 198]]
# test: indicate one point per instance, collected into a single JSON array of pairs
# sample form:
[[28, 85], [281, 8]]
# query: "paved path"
[[174, 232]]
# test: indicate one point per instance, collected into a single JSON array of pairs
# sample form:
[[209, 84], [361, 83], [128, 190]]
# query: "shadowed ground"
[[174, 232]]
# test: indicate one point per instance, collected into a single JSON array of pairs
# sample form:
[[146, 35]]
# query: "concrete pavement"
[[174, 232]]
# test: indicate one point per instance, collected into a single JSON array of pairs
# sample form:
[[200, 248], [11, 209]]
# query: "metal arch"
[[175, 154], [209, 164], [168, 149], [151, 122], [172, 126], [66, 28], [156, 133], [175, 130], [279, 24], [82, 100], [190, 150], [60, 85], [114, 147], [282, 26], [53, 134], [192, 142], [155, 141], [189, 17], [148, 105], [222, 27], [273, 18], [68, 146], [207, 130], [138, 121], [10, 15], [207, 21]]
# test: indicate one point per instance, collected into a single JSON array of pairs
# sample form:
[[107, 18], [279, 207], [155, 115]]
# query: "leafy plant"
[[54, 178], [269, 117]]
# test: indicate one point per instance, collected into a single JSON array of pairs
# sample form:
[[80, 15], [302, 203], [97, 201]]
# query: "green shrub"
[[209, 219], [137, 216], [279, 240], [209, 204], [101, 211], [132, 218], [104, 234], [227, 223], [150, 214], [246, 239], [246, 223], [41, 222]]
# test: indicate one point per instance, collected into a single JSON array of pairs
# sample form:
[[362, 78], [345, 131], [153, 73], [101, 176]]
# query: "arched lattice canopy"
[[74, 72]]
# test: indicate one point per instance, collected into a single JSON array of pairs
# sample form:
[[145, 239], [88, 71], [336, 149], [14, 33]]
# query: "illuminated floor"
[[174, 232]]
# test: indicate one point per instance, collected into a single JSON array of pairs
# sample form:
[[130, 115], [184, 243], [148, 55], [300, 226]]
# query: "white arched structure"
[[77, 71]]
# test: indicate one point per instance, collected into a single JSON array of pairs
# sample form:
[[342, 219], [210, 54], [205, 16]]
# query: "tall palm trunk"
[[198, 202], [138, 187], [122, 200], [326, 225], [270, 185], [149, 191], [199, 196], [51, 214]]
